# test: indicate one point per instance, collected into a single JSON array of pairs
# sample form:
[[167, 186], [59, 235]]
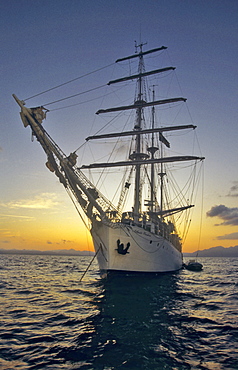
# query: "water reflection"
[[50, 320], [133, 328]]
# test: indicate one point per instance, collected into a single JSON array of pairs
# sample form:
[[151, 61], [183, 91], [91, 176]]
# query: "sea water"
[[51, 320]]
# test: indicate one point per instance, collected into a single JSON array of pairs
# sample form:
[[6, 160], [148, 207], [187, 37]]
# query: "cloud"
[[42, 201], [228, 215], [62, 240], [233, 190], [232, 236], [2, 216]]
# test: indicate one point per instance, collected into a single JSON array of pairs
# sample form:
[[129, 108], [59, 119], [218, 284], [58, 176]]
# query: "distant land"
[[57, 252], [211, 252], [215, 252]]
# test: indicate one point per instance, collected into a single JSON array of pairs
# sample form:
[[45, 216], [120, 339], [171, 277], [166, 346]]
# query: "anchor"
[[120, 247]]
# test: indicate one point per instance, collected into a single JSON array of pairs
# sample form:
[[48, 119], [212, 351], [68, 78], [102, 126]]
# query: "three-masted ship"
[[143, 237]]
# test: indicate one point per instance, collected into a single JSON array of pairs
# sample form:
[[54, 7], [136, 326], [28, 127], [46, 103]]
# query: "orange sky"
[[50, 221]]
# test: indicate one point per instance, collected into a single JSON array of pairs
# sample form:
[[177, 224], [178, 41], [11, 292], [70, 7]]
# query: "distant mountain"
[[215, 252], [211, 252], [57, 252]]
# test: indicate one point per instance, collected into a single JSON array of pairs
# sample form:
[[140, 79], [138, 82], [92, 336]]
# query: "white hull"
[[147, 252]]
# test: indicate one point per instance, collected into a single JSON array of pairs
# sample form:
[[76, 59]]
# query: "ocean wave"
[[51, 321]]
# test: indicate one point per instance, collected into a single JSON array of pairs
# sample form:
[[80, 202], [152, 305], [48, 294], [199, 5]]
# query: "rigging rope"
[[72, 96], [65, 83], [77, 209], [90, 264], [83, 102]]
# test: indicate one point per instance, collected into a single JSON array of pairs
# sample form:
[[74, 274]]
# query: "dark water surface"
[[50, 320]]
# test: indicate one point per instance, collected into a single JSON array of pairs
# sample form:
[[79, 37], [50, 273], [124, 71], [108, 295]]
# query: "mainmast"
[[138, 155], [138, 158]]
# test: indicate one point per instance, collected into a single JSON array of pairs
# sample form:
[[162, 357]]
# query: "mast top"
[[137, 46]]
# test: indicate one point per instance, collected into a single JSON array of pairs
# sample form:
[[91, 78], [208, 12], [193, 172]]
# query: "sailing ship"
[[143, 236]]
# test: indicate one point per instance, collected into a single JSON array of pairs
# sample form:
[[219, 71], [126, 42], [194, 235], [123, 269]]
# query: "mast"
[[161, 174], [152, 150], [137, 158], [137, 189]]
